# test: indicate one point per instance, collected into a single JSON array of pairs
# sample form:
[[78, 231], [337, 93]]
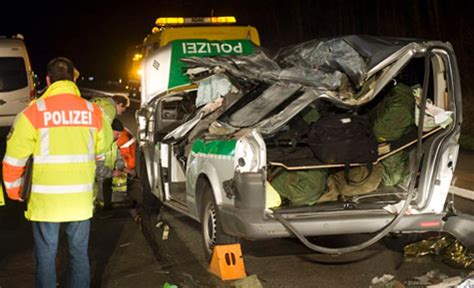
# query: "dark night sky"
[[96, 35]]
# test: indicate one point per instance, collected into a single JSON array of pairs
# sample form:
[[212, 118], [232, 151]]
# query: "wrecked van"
[[356, 134]]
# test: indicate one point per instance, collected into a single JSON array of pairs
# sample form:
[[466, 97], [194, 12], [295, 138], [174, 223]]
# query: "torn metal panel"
[[329, 57], [257, 109], [275, 122], [260, 67], [182, 130]]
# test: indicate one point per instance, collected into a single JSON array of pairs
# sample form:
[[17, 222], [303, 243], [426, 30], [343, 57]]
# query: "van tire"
[[397, 242], [211, 226], [149, 202]]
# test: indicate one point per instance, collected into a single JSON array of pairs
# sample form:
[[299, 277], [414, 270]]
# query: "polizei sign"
[[164, 70], [211, 48]]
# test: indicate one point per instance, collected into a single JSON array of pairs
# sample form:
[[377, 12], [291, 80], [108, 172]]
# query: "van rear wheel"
[[212, 232]]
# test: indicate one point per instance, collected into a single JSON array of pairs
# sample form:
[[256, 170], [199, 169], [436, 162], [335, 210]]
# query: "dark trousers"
[[46, 235]]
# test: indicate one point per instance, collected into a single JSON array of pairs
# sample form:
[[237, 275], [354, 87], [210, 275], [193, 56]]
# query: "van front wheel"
[[212, 232]]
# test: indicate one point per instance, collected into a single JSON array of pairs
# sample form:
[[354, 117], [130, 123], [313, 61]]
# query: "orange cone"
[[227, 262]]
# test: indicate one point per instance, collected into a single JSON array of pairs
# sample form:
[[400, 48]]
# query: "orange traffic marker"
[[227, 262]]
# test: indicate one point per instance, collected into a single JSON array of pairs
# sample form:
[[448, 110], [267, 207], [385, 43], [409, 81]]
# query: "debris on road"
[[248, 282], [468, 282], [168, 285], [451, 250], [166, 231], [386, 281]]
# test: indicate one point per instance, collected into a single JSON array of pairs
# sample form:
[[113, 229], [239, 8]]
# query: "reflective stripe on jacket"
[[2, 200], [127, 146], [64, 134]]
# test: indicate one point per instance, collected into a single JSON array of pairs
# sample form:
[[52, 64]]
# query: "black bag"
[[343, 139]]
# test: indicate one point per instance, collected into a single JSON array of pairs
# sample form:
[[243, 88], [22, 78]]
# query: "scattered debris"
[[452, 251], [137, 218], [168, 285], [248, 282], [447, 283], [386, 281], [166, 232], [467, 282], [431, 279]]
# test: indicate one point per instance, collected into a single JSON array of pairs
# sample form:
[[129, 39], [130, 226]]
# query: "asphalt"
[[464, 171], [128, 251]]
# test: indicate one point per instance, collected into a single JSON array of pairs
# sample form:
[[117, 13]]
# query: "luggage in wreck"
[[303, 187], [368, 181], [394, 116], [395, 169], [343, 139]]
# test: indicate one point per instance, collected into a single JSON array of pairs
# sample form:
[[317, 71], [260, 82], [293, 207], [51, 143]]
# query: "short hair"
[[121, 99], [60, 68], [117, 125]]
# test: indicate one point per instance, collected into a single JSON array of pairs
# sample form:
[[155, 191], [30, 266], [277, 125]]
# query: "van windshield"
[[12, 74]]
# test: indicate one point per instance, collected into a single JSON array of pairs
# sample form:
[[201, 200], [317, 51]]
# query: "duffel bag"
[[343, 139]]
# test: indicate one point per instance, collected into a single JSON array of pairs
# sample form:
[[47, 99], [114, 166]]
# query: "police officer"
[[64, 134]]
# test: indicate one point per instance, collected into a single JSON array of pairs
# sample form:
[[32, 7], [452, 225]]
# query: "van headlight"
[[250, 153]]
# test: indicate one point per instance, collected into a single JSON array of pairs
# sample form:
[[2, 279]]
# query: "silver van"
[[212, 151], [17, 86]]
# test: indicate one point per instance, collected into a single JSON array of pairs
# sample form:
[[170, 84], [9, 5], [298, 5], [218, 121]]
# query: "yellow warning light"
[[155, 30], [164, 21], [223, 19], [169, 21], [137, 57]]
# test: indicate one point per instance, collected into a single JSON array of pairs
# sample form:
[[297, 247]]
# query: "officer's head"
[[60, 69], [122, 102], [117, 127]]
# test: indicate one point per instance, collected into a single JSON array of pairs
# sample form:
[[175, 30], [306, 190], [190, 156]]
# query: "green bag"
[[395, 169], [302, 187], [394, 116], [337, 184]]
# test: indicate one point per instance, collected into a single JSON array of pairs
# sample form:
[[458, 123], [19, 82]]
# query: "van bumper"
[[258, 225]]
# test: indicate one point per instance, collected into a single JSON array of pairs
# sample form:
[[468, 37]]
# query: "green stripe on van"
[[202, 48], [215, 147]]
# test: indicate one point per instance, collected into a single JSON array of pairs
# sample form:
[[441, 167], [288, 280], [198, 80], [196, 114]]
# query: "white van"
[[17, 86], [230, 165]]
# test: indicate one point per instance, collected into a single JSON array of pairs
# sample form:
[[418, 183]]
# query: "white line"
[[461, 192]]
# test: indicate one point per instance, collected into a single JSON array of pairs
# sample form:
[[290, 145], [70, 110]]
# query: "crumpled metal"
[[317, 64], [450, 249], [327, 56]]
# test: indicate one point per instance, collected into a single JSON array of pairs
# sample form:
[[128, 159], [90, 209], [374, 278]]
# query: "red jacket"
[[127, 145]]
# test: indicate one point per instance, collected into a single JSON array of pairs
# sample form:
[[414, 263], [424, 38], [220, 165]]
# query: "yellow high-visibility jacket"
[[2, 200], [64, 133], [109, 111]]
